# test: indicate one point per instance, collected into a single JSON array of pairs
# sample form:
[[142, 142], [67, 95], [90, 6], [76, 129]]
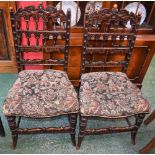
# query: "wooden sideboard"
[[7, 51], [140, 61]]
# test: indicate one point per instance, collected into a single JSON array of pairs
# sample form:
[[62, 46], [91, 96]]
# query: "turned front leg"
[[13, 127], [139, 121], [83, 125], [73, 120]]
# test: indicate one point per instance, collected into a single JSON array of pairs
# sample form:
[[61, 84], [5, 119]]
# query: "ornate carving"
[[48, 49], [106, 29], [42, 62], [60, 30], [105, 19], [104, 64], [40, 12]]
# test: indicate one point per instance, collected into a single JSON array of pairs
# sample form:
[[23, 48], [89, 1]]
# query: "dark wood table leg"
[[150, 118], [150, 146], [2, 133]]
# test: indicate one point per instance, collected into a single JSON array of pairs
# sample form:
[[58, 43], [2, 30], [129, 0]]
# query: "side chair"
[[47, 93], [106, 92]]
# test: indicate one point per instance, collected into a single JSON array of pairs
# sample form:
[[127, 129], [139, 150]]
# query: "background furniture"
[[2, 133], [41, 94], [105, 93], [151, 145], [81, 7], [141, 57], [7, 51], [142, 53]]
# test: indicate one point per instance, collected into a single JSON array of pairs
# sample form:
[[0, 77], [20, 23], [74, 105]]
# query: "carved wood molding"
[[59, 30], [106, 32]]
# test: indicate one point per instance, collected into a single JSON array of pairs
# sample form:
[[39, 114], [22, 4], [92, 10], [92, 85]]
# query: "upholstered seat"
[[110, 94], [41, 94]]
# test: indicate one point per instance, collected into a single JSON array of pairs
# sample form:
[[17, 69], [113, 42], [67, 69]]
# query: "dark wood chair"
[[105, 89], [151, 145], [2, 132], [41, 93]]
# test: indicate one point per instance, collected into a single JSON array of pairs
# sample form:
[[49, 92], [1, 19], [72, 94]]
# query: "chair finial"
[[115, 6], [40, 5]]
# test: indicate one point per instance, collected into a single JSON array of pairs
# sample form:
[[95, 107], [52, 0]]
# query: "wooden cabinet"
[[4, 50], [142, 53], [78, 8], [141, 56], [140, 60], [7, 52]]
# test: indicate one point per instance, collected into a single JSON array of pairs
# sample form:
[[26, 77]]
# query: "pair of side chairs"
[[48, 93]]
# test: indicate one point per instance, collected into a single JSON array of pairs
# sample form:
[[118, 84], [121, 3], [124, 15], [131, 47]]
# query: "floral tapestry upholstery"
[[41, 93], [110, 94]]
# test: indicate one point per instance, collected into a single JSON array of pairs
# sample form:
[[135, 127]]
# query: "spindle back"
[[40, 36], [107, 33]]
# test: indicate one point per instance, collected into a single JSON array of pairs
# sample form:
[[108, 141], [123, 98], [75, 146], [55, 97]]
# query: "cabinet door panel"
[[4, 52], [7, 51]]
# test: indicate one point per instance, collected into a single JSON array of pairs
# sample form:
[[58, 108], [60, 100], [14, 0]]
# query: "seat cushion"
[[110, 94], [41, 93]]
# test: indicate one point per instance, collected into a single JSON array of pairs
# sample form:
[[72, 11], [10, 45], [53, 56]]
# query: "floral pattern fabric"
[[41, 93], [110, 94]]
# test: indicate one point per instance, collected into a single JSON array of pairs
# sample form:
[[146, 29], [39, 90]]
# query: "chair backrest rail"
[[106, 33], [52, 36]]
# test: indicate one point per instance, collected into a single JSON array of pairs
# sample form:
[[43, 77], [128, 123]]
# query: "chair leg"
[[83, 124], [139, 121], [73, 120], [2, 133], [13, 127]]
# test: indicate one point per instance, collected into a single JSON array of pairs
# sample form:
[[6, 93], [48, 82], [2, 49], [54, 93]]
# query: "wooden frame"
[[15, 130], [109, 5], [144, 48], [84, 131], [58, 31], [109, 38], [8, 66], [105, 32]]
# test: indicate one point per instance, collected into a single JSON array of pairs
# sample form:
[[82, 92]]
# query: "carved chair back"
[[109, 37], [51, 38]]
